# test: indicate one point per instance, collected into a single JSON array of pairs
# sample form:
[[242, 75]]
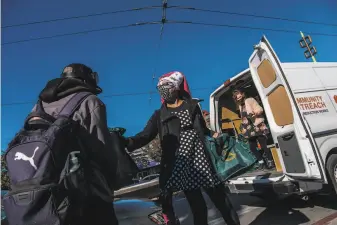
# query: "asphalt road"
[[252, 211]]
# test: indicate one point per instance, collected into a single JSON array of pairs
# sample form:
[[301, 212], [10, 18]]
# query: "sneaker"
[[168, 221], [270, 164], [260, 166]]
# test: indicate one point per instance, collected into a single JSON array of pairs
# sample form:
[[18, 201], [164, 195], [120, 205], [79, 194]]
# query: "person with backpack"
[[62, 164], [185, 165]]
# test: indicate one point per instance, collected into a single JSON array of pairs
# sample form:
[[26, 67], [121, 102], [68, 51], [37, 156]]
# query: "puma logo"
[[21, 156]]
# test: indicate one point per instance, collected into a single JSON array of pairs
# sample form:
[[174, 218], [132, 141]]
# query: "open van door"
[[296, 148]]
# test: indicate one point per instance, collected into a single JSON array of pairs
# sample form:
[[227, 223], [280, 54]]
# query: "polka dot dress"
[[192, 169]]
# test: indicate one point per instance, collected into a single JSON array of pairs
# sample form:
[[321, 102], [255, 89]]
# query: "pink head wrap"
[[176, 78]]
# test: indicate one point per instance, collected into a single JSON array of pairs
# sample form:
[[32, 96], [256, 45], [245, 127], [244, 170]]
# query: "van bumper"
[[278, 187]]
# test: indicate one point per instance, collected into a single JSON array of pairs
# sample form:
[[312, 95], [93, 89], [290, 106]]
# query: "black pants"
[[97, 211], [199, 208], [264, 149]]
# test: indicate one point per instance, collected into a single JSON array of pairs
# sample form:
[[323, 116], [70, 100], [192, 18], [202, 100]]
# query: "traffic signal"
[[310, 51]]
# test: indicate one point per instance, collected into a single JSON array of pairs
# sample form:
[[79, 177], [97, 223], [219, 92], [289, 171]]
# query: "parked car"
[[128, 211], [148, 178]]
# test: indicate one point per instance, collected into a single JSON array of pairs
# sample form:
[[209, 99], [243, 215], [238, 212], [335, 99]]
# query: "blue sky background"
[[126, 58]]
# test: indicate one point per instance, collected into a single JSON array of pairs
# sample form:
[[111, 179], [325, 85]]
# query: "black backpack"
[[46, 166]]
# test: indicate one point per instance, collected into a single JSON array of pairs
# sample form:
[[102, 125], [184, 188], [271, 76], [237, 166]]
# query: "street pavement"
[[321, 210]]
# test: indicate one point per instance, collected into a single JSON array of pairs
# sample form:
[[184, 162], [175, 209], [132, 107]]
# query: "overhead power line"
[[108, 96], [175, 7], [168, 21], [163, 21], [83, 16], [253, 15], [248, 27], [82, 32]]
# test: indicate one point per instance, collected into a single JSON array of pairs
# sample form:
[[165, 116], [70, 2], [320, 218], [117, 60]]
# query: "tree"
[[153, 149], [5, 182]]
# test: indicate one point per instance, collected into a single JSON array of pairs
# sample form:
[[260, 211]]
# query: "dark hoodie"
[[92, 116]]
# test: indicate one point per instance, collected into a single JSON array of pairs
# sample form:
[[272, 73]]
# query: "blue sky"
[[126, 58]]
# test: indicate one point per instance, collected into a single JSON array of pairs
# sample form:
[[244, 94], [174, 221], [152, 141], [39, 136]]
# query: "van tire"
[[331, 166]]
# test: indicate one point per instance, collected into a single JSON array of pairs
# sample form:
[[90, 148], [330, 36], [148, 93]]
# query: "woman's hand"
[[215, 135]]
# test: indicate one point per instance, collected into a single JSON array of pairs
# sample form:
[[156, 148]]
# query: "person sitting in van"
[[253, 128], [205, 114]]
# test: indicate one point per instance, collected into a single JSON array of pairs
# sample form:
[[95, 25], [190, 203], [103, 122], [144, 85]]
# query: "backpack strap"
[[72, 105]]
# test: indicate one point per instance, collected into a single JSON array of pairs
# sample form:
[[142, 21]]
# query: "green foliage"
[[153, 149]]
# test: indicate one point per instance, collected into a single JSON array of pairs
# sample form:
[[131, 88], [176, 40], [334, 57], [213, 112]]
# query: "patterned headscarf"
[[169, 84], [175, 81]]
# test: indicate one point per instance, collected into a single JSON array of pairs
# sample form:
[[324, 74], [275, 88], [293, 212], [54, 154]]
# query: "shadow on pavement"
[[184, 213], [286, 211], [280, 215]]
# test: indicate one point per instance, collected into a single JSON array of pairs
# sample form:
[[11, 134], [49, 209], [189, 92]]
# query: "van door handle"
[[288, 136]]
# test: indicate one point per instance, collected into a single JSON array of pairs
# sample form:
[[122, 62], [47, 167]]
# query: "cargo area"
[[229, 121]]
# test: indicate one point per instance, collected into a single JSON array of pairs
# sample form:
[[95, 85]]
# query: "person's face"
[[238, 96], [168, 93]]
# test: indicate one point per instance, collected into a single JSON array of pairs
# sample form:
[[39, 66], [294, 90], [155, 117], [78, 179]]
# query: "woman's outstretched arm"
[[146, 136]]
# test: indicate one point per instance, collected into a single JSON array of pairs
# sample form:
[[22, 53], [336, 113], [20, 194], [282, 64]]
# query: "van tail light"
[[335, 98], [227, 82]]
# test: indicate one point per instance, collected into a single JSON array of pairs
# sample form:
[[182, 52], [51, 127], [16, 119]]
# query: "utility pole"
[[305, 42]]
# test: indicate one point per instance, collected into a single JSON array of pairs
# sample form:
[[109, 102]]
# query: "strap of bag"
[[71, 106]]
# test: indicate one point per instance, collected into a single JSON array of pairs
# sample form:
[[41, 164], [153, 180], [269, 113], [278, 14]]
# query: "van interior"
[[229, 119]]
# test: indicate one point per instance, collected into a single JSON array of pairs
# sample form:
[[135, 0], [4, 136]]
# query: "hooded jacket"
[[91, 115], [167, 126]]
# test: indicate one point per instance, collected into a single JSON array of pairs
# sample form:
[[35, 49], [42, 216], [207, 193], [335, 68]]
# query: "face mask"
[[168, 93]]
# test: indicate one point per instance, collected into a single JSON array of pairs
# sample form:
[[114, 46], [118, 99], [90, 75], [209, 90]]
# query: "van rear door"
[[296, 148]]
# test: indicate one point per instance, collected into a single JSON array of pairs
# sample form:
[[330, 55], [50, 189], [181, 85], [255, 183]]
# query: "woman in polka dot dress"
[[185, 165]]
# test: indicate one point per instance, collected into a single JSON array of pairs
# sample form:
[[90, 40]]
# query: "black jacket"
[[167, 126]]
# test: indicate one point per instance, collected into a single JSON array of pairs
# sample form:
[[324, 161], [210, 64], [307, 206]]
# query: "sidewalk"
[[332, 222], [329, 220]]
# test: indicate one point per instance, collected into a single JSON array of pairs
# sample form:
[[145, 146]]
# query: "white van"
[[300, 105]]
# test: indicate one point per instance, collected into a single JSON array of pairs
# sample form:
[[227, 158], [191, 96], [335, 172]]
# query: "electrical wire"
[[253, 15], [174, 7], [108, 96], [80, 17], [163, 21], [82, 32], [169, 21], [248, 27]]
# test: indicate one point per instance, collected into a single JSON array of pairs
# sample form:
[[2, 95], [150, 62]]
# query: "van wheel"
[[331, 167]]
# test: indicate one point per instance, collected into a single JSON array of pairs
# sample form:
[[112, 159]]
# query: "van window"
[[280, 106], [266, 73]]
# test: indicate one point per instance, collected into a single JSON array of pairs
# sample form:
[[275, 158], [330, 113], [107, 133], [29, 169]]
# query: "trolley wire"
[[83, 32], [163, 21], [253, 15], [248, 27], [108, 96], [170, 7], [80, 17], [168, 21]]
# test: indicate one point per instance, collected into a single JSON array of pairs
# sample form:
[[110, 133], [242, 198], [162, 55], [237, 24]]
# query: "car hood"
[[127, 210]]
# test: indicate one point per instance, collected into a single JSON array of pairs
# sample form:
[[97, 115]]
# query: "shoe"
[[270, 164], [260, 166], [168, 221]]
